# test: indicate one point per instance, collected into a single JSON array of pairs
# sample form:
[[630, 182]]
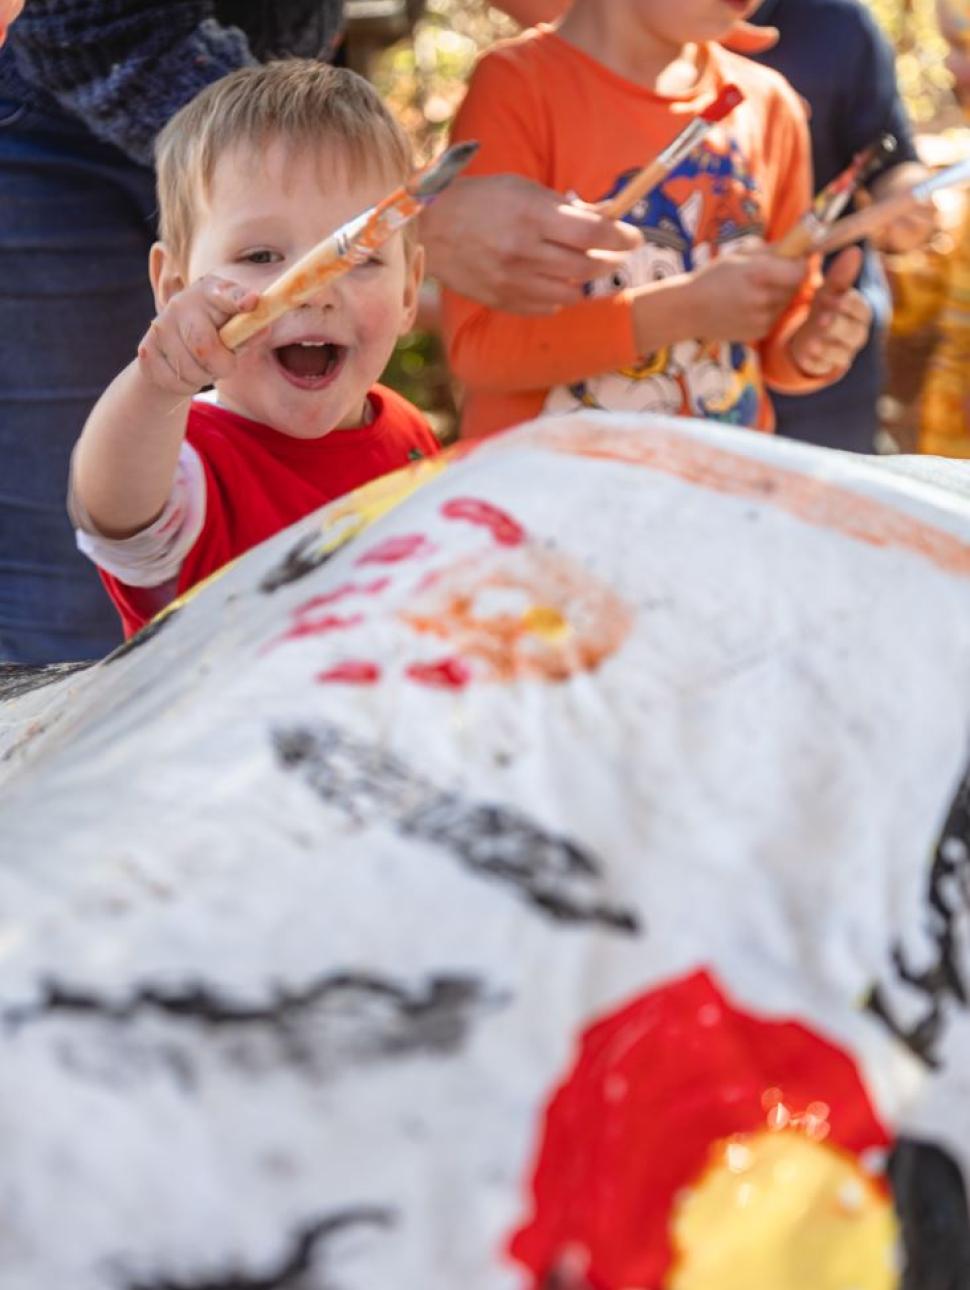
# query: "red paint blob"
[[652, 1087], [446, 674], [308, 620], [396, 549], [307, 625], [504, 529], [352, 672], [342, 592]]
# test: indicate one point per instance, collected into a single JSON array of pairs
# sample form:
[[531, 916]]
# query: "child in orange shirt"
[[702, 316]]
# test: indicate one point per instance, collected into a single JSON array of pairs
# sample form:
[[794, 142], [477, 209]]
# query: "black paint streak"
[[295, 1264], [147, 633], [553, 873], [931, 1201], [941, 983], [336, 1027], [300, 560], [435, 1019], [17, 679]]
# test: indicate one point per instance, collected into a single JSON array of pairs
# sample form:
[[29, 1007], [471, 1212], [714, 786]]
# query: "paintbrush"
[[873, 218], [832, 200], [675, 152], [352, 244]]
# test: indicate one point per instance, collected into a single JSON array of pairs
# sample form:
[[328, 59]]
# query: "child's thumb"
[[842, 272]]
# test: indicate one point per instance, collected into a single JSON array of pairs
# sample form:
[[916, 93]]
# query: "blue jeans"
[[76, 224]]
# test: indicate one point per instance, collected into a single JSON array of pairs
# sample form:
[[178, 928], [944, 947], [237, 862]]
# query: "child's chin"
[[296, 429]]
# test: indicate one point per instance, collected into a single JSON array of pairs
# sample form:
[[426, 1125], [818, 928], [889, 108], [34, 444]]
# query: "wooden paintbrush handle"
[[799, 240], [638, 187], [872, 219], [336, 254], [289, 290]]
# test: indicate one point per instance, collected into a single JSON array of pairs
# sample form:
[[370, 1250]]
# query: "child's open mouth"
[[310, 364]]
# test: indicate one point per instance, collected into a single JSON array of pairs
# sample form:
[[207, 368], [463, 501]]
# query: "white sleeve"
[[155, 555]]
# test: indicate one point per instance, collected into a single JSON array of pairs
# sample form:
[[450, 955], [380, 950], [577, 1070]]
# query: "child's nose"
[[326, 295], [321, 300]]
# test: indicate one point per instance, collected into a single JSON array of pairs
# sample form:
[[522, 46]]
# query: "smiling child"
[[166, 487]]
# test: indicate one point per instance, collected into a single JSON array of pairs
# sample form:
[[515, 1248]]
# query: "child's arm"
[[735, 298], [125, 460]]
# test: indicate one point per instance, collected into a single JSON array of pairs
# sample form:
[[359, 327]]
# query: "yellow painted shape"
[[780, 1211], [544, 621]]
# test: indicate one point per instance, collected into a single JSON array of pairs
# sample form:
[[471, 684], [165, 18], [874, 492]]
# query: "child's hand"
[[181, 352], [838, 323], [741, 296], [915, 226]]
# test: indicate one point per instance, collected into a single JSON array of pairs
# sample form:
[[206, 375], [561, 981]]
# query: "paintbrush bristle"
[[440, 173]]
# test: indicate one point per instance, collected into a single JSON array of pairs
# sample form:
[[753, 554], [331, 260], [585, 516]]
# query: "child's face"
[[310, 372]]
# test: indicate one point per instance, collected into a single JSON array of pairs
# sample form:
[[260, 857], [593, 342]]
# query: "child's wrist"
[[664, 312], [160, 399]]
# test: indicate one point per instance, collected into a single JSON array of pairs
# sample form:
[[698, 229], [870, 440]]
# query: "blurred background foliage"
[[423, 80], [920, 53]]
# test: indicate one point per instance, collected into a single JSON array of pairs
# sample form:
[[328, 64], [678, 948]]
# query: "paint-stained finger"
[[227, 298], [183, 373], [203, 347]]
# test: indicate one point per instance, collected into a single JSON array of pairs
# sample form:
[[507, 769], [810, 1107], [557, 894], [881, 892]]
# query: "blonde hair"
[[298, 100]]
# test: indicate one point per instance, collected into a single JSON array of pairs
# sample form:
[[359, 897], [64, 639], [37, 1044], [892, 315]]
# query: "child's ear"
[[165, 275], [412, 289]]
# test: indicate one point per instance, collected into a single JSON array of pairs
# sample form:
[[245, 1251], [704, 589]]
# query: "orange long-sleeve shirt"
[[543, 109]]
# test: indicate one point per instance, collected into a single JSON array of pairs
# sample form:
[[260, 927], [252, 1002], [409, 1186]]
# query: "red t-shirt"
[[259, 481]]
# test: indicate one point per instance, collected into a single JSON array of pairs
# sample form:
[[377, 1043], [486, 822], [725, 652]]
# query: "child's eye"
[[261, 256]]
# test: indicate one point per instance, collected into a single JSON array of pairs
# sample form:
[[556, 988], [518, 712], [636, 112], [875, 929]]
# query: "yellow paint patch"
[[782, 1211]]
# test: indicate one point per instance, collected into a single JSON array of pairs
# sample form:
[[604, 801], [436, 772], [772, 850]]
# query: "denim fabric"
[[76, 224]]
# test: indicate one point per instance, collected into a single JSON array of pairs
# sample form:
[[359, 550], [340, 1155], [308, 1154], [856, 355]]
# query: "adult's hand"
[[8, 11], [512, 244], [916, 227]]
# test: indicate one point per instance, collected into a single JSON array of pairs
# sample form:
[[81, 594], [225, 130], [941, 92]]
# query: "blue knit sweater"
[[123, 67]]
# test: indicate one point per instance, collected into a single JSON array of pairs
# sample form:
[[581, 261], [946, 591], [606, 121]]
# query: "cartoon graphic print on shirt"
[[709, 206]]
